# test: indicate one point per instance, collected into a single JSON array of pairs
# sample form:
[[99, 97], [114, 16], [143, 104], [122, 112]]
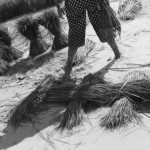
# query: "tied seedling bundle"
[[83, 52], [29, 28], [8, 52], [121, 114], [129, 9], [126, 100], [51, 21], [46, 95], [11, 9]]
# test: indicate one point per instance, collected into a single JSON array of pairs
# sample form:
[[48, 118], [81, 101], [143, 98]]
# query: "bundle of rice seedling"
[[9, 52], [74, 113], [29, 28], [72, 117], [6, 11], [3, 66], [129, 9], [83, 52], [135, 75], [15, 53], [5, 58], [6, 53], [45, 96], [106, 94], [50, 20], [4, 36], [10, 9], [36, 5], [121, 114]]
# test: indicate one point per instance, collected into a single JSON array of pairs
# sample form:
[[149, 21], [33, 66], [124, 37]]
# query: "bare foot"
[[117, 56], [67, 79]]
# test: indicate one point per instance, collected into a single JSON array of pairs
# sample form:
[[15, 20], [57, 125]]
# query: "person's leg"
[[76, 15], [68, 68], [102, 25], [113, 45]]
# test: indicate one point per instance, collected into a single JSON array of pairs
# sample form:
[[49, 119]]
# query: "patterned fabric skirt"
[[101, 16]]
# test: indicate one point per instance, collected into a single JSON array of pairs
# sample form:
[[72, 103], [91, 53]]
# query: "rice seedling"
[[10, 9], [50, 20], [3, 66], [135, 75], [72, 117], [4, 36], [125, 98], [5, 11], [9, 52], [29, 28], [36, 5], [137, 91], [6, 53], [104, 95], [15, 53], [129, 9], [5, 42], [74, 113], [121, 114], [83, 52], [45, 96]]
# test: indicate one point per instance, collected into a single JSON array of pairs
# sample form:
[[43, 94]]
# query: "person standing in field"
[[102, 18]]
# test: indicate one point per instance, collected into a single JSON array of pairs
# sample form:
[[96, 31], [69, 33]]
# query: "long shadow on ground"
[[33, 115], [31, 64], [28, 64]]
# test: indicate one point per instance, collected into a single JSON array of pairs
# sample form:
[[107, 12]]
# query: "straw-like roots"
[[135, 75], [39, 101], [120, 115], [72, 117], [129, 9], [6, 53], [30, 106], [60, 42], [76, 99], [4, 36], [3, 66], [51, 21], [10, 9], [16, 53], [9, 52], [29, 28]]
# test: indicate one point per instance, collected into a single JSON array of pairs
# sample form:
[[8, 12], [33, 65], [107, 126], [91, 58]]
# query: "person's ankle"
[[66, 77], [118, 55]]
